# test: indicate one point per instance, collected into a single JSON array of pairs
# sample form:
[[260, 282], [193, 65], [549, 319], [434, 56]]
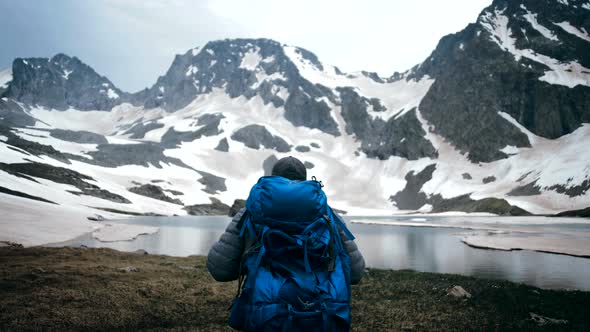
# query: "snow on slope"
[[568, 74], [350, 181], [354, 183], [569, 165], [567, 27], [100, 122], [5, 77], [398, 97], [532, 19]]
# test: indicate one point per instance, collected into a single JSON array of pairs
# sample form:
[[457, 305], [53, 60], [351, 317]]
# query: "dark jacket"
[[224, 257]]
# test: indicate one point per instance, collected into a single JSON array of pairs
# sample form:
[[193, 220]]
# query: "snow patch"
[[191, 70], [570, 245], [32, 223], [567, 27], [67, 73], [532, 137], [195, 51], [5, 77], [251, 59], [122, 232], [532, 19], [112, 94]]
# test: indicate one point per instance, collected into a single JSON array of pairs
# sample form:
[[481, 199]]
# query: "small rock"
[[458, 292], [129, 269], [488, 179], [96, 217]]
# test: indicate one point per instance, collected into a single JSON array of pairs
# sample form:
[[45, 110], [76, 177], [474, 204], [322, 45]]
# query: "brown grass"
[[84, 289]]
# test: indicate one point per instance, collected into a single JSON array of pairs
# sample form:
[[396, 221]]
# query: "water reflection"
[[391, 247]]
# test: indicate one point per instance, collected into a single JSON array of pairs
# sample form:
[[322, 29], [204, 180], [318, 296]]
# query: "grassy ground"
[[89, 289]]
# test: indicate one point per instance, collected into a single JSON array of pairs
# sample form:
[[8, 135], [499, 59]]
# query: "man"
[[227, 258]]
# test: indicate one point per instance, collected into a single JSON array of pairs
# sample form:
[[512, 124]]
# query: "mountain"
[[494, 120], [60, 83]]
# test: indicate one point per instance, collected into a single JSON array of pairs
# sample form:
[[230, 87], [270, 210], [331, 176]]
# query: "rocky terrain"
[[494, 120]]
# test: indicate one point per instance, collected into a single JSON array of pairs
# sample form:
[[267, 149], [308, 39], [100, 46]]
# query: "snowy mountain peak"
[[61, 82]]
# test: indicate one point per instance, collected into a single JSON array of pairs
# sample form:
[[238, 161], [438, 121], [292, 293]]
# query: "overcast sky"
[[132, 42]]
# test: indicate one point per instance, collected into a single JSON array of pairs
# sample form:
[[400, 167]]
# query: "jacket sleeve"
[[223, 260], [357, 262]]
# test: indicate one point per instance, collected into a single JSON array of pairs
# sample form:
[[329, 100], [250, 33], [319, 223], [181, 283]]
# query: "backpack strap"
[[341, 224]]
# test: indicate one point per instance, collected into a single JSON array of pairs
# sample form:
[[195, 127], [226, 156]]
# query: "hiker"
[[294, 257]]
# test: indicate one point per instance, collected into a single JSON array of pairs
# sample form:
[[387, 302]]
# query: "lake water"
[[431, 249]]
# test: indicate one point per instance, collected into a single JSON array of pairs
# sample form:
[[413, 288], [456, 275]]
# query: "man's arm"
[[357, 262], [224, 258]]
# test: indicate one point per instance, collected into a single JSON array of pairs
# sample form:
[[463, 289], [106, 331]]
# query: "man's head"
[[290, 168]]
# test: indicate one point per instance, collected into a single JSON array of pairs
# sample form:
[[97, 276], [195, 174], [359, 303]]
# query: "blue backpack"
[[297, 271]]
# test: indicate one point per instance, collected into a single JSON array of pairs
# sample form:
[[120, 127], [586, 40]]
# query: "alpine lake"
[[426, 243]]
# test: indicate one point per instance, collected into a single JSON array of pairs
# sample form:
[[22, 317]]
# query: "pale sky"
[[132, 42]]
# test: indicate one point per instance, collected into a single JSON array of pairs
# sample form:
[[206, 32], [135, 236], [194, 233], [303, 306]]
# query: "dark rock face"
[[62, 82], [256, 136], [82, 137], [466, 176], [140, 129], [573, 191], [315, 145], [12, 115], [24, 195], [223, 145], [213, 183], [155, 192], [411, 197], [308, 165], [584, 213], [268, 164], [114, 155], [475, 79], [174, 192], [219, 64], [302, 148], [466, 204], [402, 137], [530, 189], [210, 127], [64, 176], [216, 208], [488, 179], [236, 207]]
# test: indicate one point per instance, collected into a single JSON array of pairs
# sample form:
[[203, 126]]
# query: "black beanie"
[[290, 168]]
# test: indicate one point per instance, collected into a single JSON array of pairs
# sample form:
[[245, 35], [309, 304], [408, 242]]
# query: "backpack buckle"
[[316, 180], [306, 305]]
